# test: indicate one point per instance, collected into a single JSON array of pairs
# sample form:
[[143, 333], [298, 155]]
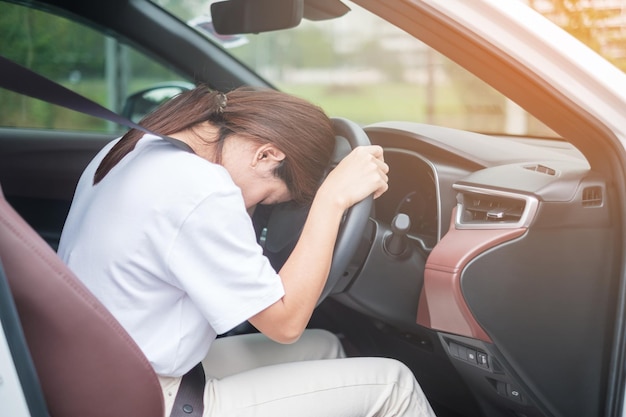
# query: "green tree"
[[56, 47], [592, 24]]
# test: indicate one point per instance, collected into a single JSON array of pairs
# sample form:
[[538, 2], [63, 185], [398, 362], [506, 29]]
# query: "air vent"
[[541, 169], [479, 208], [592, 196], [485, 208]]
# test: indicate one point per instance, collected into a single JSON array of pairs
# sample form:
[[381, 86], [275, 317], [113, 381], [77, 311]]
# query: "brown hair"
[[301, 130]]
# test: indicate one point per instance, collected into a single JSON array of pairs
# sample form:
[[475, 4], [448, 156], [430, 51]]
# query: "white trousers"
[[252, 376]]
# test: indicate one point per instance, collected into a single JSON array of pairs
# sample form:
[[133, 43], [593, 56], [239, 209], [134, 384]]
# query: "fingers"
[[384, 185], [375, 150], [361, 173], [381, 190], [372, 170]]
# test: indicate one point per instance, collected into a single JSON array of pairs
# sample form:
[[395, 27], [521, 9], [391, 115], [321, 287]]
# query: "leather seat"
[[86, 362]]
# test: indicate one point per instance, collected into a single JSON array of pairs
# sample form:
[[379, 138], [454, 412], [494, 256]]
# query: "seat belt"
[[189, 401], [22, 80]]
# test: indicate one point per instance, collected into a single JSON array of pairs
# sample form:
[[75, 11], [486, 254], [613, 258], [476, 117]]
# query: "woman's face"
[[264, 191], [251, 166]]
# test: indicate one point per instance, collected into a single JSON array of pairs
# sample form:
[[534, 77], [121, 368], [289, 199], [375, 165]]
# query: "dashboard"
[[428, 162], [512, 262]]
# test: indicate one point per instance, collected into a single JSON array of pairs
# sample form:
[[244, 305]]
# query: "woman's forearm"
[[304, 273]]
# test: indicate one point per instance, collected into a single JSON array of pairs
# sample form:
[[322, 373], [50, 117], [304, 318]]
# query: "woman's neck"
[[202, 140]]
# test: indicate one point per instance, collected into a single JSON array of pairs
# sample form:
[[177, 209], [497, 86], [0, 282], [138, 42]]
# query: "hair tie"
[[221, 100]]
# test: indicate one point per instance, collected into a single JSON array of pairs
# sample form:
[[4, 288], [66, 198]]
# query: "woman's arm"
[[361, 173]]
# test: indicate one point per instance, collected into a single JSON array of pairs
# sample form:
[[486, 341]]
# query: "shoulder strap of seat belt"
[[189, 400], [22, 80]]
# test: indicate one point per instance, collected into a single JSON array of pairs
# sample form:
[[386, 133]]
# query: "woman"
[[164, 239]]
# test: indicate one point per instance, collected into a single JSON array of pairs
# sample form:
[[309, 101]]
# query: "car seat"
[[86, 362]]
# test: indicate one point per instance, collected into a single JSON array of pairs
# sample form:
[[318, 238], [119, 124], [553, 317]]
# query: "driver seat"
[[86, 362]]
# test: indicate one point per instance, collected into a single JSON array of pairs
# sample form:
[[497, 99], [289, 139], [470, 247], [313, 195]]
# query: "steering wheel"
[[356, 217], [284, 222], [278, 227]]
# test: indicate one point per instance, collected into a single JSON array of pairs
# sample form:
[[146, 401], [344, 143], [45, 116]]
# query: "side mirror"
[[145, 101]]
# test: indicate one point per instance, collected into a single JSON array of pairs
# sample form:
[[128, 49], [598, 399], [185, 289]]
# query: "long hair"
[[301, 130]]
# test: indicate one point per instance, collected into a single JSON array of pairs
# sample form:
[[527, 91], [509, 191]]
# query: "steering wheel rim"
[[356, 217]]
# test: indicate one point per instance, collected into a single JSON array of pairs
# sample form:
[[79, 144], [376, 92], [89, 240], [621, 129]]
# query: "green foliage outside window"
[[76, 57]]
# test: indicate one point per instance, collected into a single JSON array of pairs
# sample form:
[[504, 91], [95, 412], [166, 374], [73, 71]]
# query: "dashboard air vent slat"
[[483, 208], [592, 196], [541, 169], [491, 209]]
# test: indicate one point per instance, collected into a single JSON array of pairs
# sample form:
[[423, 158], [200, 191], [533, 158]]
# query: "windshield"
[[362, 67]]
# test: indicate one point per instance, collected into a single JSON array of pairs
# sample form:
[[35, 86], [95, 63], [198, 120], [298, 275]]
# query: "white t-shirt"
[[165, 243]]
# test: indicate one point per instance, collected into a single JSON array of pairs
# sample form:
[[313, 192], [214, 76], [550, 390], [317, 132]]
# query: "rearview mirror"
[[232, 17]]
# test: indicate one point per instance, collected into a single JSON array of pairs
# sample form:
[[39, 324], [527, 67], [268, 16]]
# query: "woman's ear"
[[267, 156]]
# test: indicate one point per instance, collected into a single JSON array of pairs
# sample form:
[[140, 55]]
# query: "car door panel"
[[39, 171], [543, 297]]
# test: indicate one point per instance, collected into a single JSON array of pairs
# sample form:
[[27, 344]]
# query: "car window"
[[80, 58], [361, 67]]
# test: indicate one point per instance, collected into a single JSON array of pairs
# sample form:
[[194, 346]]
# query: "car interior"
[[491, 266]]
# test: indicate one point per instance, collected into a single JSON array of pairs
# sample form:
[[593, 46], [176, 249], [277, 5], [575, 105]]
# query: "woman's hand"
[[361, 173]]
